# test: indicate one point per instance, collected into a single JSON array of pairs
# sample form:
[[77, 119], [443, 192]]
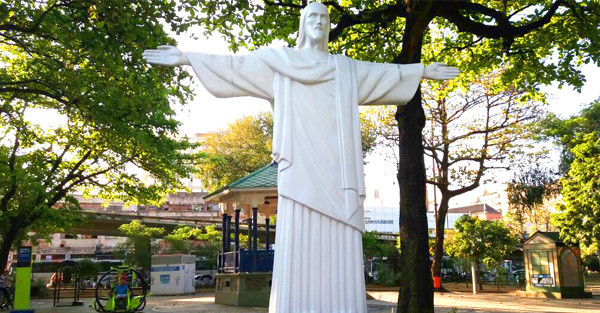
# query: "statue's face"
[[316, 23]]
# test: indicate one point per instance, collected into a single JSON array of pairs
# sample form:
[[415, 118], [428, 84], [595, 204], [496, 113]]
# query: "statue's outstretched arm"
[[166, 55], [440, 71]]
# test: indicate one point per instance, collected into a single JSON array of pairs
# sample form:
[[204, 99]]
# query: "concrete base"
[[554, 294], [243, 289]]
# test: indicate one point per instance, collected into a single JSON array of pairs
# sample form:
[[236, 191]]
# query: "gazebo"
[[244, 275], [552, 269]]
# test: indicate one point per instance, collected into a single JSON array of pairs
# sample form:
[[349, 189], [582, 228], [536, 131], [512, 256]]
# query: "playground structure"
[[67, 275], [107, 297]]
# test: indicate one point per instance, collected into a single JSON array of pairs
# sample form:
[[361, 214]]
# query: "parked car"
[[204, 280]]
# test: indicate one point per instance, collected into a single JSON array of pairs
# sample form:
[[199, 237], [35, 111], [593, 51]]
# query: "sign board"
[[165, 269], [24, 257], [165, 279], [23, 279], [543, 280]]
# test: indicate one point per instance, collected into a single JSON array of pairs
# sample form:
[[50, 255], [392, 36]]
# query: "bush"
[[386, 276], [38, 288], [89, 269], [592, 263]]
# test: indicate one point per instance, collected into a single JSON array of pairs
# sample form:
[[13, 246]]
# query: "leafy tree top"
[[537, 41], [579, 221], [79, 62], [78, 65], [570, 132], [481, 240], [241, 149]]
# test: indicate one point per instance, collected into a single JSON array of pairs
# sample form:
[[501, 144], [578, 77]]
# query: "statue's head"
[[314, 26]]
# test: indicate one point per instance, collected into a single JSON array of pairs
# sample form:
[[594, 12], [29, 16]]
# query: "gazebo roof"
[[544, 237], [263, 179]]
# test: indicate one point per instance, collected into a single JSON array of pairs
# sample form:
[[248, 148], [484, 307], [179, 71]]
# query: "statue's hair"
[[301, 33]]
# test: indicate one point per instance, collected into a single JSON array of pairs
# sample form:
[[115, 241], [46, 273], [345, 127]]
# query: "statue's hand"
[[166, 55], [440, 71]]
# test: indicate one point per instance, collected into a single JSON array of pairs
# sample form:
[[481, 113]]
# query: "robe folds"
[[316, 135], [317, 144]]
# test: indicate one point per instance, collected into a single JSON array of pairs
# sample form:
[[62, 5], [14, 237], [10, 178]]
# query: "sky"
[[207, 113]]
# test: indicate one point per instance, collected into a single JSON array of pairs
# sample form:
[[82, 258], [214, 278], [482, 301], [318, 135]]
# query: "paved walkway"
[[384, 303]]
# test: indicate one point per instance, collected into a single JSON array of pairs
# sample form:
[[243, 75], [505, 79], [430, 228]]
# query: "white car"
[[205, 280]]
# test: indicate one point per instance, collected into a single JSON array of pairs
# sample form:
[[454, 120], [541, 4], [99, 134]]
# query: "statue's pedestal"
[[243, 289]]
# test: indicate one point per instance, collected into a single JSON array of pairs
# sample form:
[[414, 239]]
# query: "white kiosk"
[[172, 274]]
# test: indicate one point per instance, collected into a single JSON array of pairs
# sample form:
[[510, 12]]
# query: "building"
[[386, 220], [70, 246], [480, 210]]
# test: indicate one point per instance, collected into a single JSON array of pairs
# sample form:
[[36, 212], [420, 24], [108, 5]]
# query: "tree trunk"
[[474, 276], [479, 284], [598, 251], [7, 241], [416, 284], [436, 267]]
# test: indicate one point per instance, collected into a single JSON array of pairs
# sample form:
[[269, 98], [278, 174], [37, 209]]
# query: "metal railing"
[[249, 261]]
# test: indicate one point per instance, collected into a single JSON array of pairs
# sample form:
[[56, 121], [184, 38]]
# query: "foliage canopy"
[[244, 147], [481, 241], [80, 111]]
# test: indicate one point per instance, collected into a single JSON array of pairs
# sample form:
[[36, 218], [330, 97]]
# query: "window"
[[539, 262]]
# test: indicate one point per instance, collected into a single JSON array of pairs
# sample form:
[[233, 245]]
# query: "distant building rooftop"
[[473, 208], [186, 198]]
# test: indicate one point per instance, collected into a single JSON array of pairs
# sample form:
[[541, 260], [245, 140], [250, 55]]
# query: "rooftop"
[[473, 208], [263, 178]]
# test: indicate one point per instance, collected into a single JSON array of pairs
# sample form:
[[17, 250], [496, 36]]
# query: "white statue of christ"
[[316, 142]]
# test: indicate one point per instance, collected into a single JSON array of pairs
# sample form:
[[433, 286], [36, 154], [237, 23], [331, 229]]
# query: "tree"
[[468, 133], [568, 133], [532, 194], [579, 220], [383, 255], [89, 269], [475, 36], [378, 122], [82, 112], [480, 241], [207, 242], [140, 244], [236, 152], [578, 137]]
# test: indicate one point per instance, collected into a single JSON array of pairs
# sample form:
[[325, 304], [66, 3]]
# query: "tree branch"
[[95, 174], [11, 166], [452, 12], [57, 162], [383, 14], [36, 24], [34, 91], [71, 175], [283, 4]]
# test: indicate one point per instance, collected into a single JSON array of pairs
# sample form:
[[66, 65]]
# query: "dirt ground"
[[383, 302], [459, 299]]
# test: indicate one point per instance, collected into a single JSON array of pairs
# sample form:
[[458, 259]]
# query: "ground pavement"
[[384, 302]]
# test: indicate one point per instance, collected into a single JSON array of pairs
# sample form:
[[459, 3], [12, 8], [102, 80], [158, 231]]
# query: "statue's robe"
[[317, 144]]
